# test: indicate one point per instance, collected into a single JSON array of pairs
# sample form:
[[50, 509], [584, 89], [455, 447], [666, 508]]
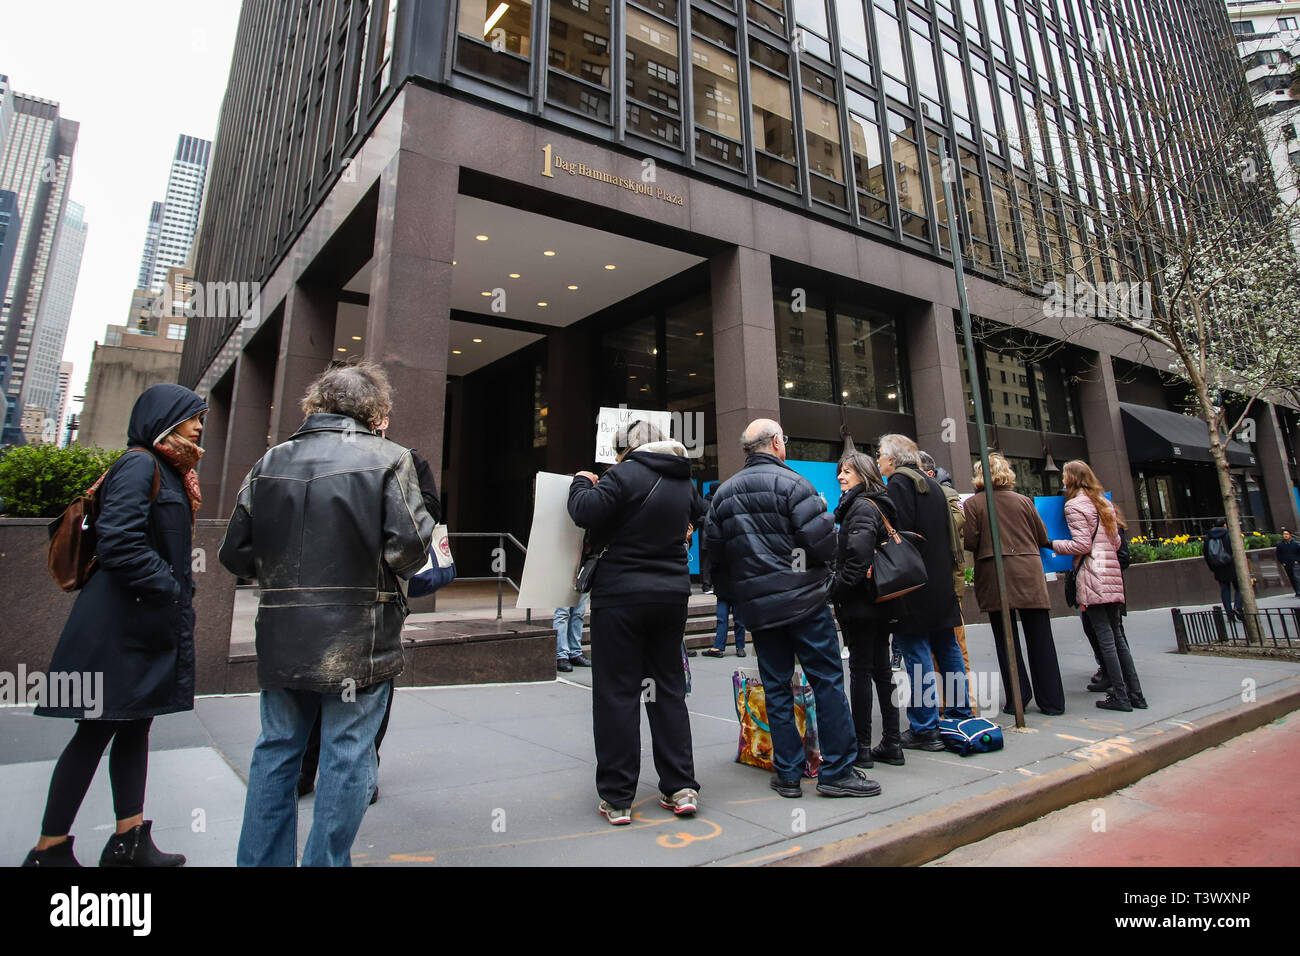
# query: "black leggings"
[[128, 764]]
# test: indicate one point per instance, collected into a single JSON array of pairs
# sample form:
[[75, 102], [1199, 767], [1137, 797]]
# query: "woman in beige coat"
[[1023, 533]]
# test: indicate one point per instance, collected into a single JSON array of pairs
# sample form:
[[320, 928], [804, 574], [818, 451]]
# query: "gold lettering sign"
[[552, 161]]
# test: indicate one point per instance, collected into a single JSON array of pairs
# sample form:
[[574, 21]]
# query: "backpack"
[[974, 735], [1121, 554], [1216, 554], [71, 560]]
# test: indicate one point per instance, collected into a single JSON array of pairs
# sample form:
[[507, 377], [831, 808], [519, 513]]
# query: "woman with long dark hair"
[[864, 504], [1095, 540], [133, 622]]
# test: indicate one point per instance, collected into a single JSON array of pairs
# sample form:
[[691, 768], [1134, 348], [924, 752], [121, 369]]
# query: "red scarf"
[[184, 455]]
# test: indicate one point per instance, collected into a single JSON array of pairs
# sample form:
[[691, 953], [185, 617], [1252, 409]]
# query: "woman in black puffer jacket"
[[864, 623]]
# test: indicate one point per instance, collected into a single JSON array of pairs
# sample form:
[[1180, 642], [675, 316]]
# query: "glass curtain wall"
[[790, 95]]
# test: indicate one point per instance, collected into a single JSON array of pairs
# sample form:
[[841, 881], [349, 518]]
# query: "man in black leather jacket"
[[770, 540], [327, 522]]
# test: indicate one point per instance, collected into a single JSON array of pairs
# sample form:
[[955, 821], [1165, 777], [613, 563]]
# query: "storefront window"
[[495, 40], [579, 57], [803, 354], [1055, 399], [630, 358], [869, 358]]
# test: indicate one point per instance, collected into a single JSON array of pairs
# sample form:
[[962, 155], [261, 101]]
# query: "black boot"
[[1115, 703], [58, 855], [1099, 683], [135, 848], [889, 752]]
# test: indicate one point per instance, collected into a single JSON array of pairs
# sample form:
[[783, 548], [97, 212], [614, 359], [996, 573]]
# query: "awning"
[[1154, 434]]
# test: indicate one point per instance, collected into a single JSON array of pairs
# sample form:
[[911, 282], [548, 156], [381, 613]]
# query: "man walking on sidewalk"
[[770, 540]]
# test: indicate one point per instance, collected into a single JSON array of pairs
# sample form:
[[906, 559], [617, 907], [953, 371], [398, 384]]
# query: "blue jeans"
[[720, 639], [923, 709], [1226, 591], [814, 640], [349, 772], [568, 629]]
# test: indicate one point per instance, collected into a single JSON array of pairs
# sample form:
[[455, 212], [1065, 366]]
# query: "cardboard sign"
[[554, 547], [610, 421]]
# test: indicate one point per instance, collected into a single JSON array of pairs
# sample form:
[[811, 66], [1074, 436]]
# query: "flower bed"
[[1143, 549]]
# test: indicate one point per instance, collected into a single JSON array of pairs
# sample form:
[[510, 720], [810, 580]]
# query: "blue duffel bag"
[[974, 735]]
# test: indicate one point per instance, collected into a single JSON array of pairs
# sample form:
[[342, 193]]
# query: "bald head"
[[763, 435]]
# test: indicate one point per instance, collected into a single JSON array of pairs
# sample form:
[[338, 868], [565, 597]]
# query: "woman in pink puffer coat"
[[1095, 539]]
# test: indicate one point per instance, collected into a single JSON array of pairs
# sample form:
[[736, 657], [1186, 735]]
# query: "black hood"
[[881, 499], [158, 410], [670, 466], [1217, 533], [942, 476]]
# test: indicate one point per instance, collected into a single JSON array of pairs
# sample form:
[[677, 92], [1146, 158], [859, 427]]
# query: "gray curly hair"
[[361, 391], [900, 448]]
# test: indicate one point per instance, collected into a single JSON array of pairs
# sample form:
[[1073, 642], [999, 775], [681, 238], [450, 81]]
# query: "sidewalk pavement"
[[504, 774]]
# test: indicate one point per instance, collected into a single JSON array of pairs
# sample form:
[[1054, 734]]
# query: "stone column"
[[939, 403], [1103, 427], [216, 429], [409, 320], [250, 421], [744, 349], [1271, 452], [306, 347], [570, 415]]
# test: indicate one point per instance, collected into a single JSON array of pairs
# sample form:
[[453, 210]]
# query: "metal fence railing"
[[501, 578], [1278, 627]]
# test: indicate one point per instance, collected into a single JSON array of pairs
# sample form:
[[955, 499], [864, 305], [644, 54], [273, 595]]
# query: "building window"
[[1286, 23], [579, 51], [773, 114], [176, 332], [715, 75], [803, 351], [868, 161], [495, 40], [870, 360], [912, 212], [1243, 28], [652, 77]]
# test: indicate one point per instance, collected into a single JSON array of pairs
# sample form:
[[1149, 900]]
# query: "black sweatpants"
[[637, 656], [1043, 666], [128, 766]]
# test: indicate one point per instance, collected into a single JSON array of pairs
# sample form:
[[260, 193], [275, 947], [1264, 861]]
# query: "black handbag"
[[897, 567], [586, 576], [1072, 575]]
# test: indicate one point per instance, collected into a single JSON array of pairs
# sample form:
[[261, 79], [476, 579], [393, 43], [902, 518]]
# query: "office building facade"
[[56, 310], [528, 212], [171, 229], [37, 168]]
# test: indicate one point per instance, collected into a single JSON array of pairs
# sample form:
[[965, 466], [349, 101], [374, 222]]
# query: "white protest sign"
[[611, 422], [554, 547]]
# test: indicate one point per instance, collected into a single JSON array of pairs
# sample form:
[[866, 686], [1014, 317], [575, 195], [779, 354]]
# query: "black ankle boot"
[[136, 848], [1115, 703], [890, 752], [58, 855]]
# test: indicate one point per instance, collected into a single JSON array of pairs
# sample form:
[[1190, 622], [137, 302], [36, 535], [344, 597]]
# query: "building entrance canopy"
[[1155, 434]]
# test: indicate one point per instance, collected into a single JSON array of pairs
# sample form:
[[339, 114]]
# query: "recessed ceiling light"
[[342, 349], [455, 351], [542, 304], [691, 374], [645, 388], [892, 395], [485, 293], [453, 262], [699, 333], [481, 238], [631, 376], [789, 384], [356, 338], [611, 267], [573, 288], [478, 340], [514, 275], [549, 252]]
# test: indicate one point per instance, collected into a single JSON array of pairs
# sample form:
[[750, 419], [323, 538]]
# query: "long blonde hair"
[[1077, 477]]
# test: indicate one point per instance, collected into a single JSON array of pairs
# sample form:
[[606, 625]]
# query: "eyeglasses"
[[784, 440]]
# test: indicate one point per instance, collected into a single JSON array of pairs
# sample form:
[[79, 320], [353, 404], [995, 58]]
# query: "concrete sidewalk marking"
[[770, 856], [572, 683], [687, 838], [1027, 773], [1082, 740]]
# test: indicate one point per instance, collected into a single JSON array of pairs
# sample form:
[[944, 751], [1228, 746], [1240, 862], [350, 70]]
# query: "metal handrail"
[[500, 578]]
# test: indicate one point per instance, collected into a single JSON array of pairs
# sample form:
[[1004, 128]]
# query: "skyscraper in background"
[[56, 312], [171, 229], [62, 398], [37, 167], [150, 246]]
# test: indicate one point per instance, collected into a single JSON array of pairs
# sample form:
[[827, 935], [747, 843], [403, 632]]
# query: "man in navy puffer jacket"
[[770, 540]]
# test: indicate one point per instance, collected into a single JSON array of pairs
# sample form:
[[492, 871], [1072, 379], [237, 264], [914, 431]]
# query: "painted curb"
[[931, 835]]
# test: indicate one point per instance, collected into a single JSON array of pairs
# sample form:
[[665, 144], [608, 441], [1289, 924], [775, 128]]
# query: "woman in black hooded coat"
[[132, 623], [864, 623]]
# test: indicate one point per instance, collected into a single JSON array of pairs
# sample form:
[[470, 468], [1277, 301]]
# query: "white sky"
[[136, 75]]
